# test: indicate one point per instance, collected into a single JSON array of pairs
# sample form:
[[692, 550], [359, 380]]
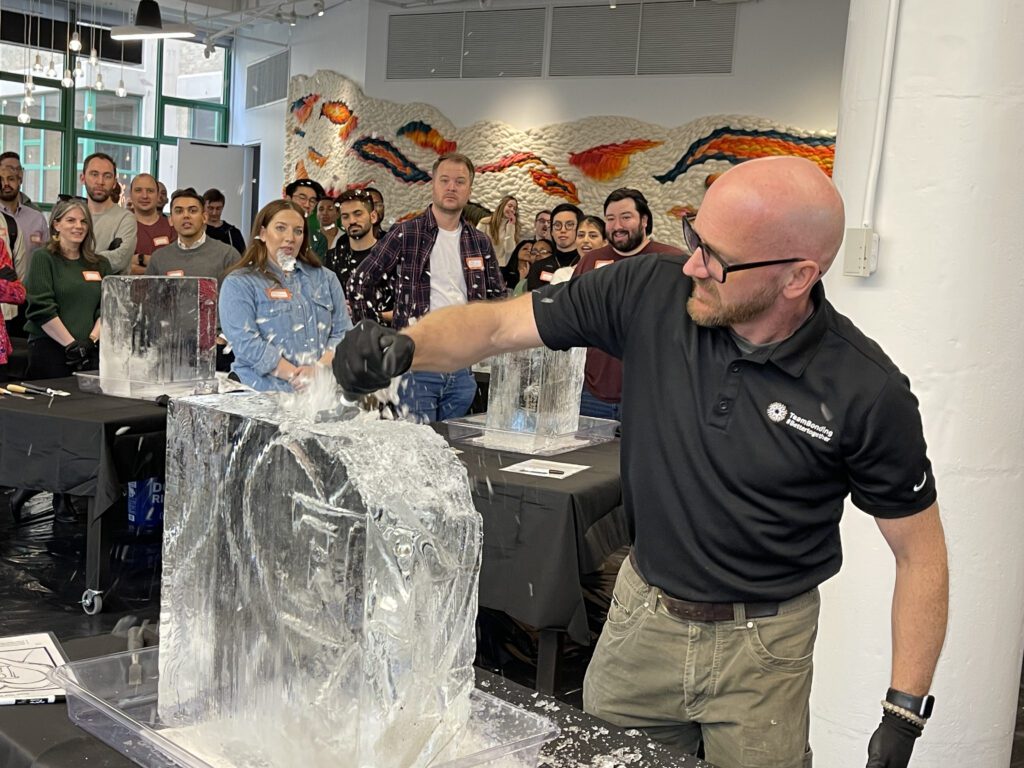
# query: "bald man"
[[154, 230], [751, 408]]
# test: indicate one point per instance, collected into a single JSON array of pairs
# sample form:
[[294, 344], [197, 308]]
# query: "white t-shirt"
[[447, 281]]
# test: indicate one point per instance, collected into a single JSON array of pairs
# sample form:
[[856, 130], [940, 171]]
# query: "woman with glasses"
[[542, 249], [281, 311], [63, 287]]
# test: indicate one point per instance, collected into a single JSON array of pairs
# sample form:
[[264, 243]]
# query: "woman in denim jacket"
[[280, 310]]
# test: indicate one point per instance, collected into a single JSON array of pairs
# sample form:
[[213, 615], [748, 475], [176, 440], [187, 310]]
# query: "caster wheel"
[[92, 602]]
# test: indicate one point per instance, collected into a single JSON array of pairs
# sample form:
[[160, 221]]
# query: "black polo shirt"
[[734, 466]]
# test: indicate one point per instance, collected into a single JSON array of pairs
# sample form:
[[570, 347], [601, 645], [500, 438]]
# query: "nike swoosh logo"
[[919, 486]]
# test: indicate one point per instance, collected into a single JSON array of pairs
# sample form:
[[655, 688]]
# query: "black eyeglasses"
[[715, 265]]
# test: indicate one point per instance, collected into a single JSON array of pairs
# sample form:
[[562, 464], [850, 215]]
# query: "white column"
[[947, 304]]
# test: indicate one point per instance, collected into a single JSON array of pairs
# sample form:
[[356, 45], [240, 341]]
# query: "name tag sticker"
[[546, 276], [475, 263], [162, 240], [92, 277], [279, 294], [176, 273], [603, 263], [36, 237]]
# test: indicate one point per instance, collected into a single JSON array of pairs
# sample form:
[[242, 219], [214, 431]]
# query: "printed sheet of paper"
[[555, 470], [25, 663]]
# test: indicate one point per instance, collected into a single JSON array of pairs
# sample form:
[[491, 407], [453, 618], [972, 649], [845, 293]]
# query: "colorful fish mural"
[[736, 145], [553, 184], [300, 171], [511, 161], [316, 157], [338, 112], [423, 135], [383, 152], [302, 108], [608, 161]]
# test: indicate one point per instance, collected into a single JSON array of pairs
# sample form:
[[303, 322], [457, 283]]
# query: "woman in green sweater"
[[63, 304]]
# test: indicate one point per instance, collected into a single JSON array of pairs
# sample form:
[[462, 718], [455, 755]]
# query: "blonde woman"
[[502, 227]]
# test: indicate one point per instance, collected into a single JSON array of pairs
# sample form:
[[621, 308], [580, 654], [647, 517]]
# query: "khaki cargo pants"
[[741, 686]]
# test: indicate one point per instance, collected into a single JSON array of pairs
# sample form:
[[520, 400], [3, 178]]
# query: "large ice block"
[[536, 391], [319, 588], [155, 333]]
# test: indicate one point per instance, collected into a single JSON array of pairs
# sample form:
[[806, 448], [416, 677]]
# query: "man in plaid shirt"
[[437, 260]]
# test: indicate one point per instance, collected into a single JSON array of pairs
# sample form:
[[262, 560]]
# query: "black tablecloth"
[[84, 444], [540, 533], [42, 736]]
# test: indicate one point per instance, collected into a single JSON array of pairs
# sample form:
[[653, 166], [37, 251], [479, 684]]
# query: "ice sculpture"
[[157, 335], [319, 587], [536, 390]]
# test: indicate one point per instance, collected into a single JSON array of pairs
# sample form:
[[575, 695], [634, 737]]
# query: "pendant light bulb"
[[99, 82], [94, 58], [76, 43], [68, 80], [88, 117], [37, 65], [51, 69], [28, 100], [23, 116], [78, 69], [121, 90]]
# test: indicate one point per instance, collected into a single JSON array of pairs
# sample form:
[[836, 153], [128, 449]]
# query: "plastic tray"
[[474, 431], [125, 717], [144, 390]]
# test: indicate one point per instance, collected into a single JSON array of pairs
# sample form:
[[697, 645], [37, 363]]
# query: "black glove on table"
[[892, 742], [8, 273], [369, 356], [79, 354]]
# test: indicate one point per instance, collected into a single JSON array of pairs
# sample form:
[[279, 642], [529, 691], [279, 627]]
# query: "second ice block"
[[319, 586]]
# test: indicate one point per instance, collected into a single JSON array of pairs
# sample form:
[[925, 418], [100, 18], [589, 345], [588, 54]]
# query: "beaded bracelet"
[[904, 714]]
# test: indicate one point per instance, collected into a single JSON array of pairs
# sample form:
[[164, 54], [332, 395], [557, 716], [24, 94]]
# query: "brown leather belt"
[[691, 611]]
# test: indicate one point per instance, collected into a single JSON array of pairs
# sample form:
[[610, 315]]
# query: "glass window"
[[189, 123], [40, 157], [12, 59], [131, 159], [106, 111], [189, 74], [168, 170]]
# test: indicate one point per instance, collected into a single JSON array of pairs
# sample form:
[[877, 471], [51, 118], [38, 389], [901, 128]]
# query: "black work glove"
[[78, 354], [369, 356], [8, 273], [892, 742], [114, 244]]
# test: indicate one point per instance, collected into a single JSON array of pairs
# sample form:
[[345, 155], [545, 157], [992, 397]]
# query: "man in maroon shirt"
[[629, 224], [154, 230]]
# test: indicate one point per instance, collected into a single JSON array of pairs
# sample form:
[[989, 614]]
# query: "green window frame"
[[71, 135]]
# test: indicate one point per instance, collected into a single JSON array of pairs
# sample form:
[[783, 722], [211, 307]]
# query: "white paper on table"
[[554, 470], [25, 664]]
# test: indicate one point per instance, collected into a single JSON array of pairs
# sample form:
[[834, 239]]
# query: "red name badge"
[[176, 273], [546, 276], [162, 240], [92, 277], [603, 263], [279, 294], [476, 263]]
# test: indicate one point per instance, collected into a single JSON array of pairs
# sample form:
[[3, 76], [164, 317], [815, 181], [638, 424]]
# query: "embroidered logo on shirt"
[[781, 414], [777, 412], [919, 486]]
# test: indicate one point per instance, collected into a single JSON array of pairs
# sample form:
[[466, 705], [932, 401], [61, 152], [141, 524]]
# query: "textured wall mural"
[[344, 139]]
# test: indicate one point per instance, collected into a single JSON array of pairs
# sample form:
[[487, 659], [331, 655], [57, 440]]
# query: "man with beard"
[[629, 224], [378, 208], [31, 227], [437, 260], [153, 231], [113, 227], [358, 217], [748, 417], [565, 219]]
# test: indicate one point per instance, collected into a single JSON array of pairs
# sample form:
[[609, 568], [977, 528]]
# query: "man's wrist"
[[920, 706]]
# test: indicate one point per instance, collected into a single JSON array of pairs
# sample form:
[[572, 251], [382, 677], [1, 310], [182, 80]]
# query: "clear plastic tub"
[[474, 431], [125, 716]]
